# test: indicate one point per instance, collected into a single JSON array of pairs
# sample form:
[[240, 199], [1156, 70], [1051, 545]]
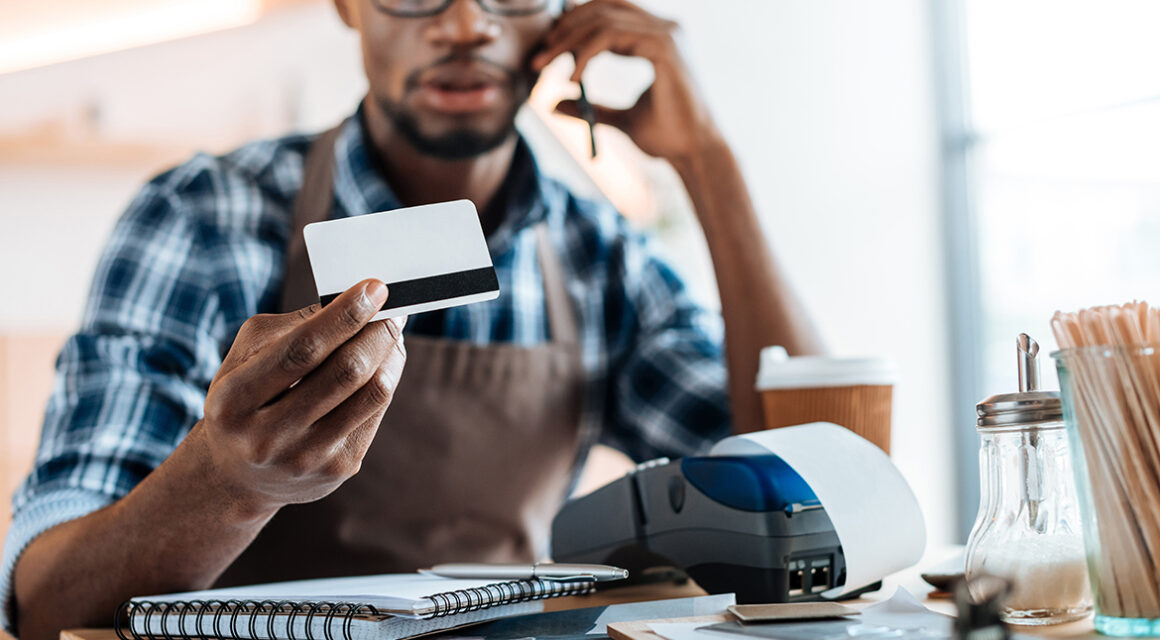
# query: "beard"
[[457, 144], [466, 142]]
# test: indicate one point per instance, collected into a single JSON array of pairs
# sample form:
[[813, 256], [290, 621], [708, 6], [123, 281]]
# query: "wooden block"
[[88, 634], [790, 611], [639, 629]]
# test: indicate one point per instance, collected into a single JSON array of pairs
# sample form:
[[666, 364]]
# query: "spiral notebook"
[[384, 607]]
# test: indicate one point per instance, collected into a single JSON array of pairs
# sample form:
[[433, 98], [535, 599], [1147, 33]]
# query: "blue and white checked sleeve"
[[669, 386], [131, 383]]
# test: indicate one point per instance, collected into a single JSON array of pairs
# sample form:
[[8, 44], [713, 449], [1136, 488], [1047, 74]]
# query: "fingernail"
[[377, 292]]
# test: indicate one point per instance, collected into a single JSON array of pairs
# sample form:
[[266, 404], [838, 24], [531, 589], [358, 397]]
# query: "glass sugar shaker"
[[1028, 529]]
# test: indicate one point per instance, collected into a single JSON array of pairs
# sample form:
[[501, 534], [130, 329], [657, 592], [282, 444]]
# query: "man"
[[196, 436]]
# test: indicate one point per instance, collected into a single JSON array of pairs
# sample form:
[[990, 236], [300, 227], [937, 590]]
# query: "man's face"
[[450, 83]]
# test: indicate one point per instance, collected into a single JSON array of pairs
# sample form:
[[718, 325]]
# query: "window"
[[1058, 156]]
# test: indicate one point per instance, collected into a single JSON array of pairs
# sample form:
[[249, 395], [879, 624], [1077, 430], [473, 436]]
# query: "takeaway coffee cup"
[[852, 392]]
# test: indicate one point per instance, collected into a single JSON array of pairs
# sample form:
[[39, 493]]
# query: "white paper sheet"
[[874, 511], [904, 611], [682, 608], [902, 617], [688, 631]]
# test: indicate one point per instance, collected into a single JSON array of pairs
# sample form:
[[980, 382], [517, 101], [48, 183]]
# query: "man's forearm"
[[176, 531], [757, 302], [289, 416]]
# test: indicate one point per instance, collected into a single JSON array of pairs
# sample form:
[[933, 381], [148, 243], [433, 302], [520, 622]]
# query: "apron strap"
[[561, 313], [313, 204]]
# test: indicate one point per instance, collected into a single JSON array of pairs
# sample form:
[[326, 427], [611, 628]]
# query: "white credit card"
[[430, 257]]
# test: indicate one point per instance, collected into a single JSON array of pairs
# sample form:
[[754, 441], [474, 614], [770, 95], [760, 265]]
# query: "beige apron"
[[472, 460]]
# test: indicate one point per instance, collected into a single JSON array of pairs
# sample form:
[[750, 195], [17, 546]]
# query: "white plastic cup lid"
[[779, 371]]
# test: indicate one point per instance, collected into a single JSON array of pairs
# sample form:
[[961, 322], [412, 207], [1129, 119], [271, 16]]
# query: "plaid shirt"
[[201, 249]]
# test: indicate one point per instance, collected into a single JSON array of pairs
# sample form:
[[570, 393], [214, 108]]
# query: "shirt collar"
[[360, 188]]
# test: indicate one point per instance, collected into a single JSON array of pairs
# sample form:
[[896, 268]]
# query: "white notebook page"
[[393, 591]]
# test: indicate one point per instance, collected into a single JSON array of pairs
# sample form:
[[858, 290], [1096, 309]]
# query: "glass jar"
[[1029, 529], [1117, 448]]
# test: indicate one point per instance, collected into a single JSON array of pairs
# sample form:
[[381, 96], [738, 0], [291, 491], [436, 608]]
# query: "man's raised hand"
[[299, 398], [670, 120]]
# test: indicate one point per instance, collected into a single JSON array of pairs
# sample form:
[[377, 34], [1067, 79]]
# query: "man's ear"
[[345, 12]]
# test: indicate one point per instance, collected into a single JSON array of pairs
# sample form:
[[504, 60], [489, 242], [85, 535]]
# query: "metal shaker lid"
[[1030, 406]]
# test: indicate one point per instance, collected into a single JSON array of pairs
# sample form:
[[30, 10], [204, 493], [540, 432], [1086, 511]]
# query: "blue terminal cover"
[[750, 483]]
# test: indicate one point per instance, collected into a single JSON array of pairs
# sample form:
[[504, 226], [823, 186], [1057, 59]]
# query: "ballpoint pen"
[[542, 570], [589, 114]]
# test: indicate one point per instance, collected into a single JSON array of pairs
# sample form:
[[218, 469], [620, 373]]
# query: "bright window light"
[[1065, 99], [81, 32]]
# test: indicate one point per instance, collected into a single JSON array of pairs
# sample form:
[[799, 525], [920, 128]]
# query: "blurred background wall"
[[829, 105], [935, 175]]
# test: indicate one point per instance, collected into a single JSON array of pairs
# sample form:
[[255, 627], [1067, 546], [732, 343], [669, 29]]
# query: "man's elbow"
[[41, 610]]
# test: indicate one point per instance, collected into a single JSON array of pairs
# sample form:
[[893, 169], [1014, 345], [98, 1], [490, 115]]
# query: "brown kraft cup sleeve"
[[863, 409]]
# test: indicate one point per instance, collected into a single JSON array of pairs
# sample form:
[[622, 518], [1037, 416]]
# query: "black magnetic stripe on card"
[[433, 288]]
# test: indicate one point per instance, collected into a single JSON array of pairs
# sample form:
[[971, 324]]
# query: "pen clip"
[[568, 579]]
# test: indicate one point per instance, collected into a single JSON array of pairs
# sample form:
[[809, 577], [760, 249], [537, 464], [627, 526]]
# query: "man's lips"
[[459, 99], [455, 89]]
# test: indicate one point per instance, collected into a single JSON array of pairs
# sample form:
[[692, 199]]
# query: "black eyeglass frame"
[[543, 5]]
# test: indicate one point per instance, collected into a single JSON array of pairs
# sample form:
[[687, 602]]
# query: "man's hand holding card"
[[300, 395], [430, 257]]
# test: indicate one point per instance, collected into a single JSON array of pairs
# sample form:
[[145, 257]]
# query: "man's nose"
[[465, 24]]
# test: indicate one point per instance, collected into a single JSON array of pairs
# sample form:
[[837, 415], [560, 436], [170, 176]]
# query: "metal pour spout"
[[1028, 363], [1029, 381]]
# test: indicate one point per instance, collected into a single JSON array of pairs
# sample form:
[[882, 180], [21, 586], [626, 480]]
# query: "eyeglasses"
[[427, 8]]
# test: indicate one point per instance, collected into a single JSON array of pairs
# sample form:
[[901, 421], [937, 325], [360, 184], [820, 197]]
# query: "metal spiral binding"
[[465, 600], [284, 605], [206, 617]]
